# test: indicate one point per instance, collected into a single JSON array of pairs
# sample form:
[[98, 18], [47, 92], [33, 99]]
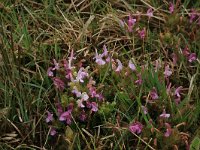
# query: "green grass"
[[33, 33]]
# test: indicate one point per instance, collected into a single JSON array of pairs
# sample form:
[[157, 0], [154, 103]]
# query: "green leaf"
[[195, 145]]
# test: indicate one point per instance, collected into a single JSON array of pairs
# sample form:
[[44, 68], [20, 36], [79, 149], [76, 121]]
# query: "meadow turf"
[[100, 74]]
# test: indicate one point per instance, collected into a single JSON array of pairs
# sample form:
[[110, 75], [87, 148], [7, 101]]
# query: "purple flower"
[[167, 71], [56, 65], [131, 65], [81, 75], [186, 51], [154, 94], [144, 109], [59, 108], [171, 8], [139, 81], [66, 116], [94, 107], [99, 60], [50, 72], [177, 94], [92, 91], [177, 91], [136, 127], [59, 84], [164, 115], [68, 71], [49, 117], [108, 59], [88, 104], [76, 92], [131, 23], [99, 96], [168, 130], [119, 68], [150, 12], [105, 51], [52, 131], [142, 33], [192, 57]]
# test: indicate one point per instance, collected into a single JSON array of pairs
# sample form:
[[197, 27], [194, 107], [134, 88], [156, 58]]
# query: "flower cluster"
[[77, 83]]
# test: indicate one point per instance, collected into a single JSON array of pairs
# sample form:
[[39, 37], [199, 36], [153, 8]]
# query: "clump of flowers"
[[69, 80], [136, 127]]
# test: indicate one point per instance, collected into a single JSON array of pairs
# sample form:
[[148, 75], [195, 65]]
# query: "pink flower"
[[84, 97], [66, 116], [108, 59], [94, 107], [52, 131], [153, 94], [93, 92], [142, 33], [177, 94], [131, 65], [139, 81], [192, 15], [76, 92], [171, 8], [81, 75], [119, 68], [68, 71], [105, 53], [136, 127], [164, 115], [150, 12], [167, 71], [177, 91], [50, 72], [99, 60], [99, 96], [186, 51], [59, 108], [168, 130], [49, 117], [144, 109], [59, 84], [56, 65], [192, 57], [131, 23]]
